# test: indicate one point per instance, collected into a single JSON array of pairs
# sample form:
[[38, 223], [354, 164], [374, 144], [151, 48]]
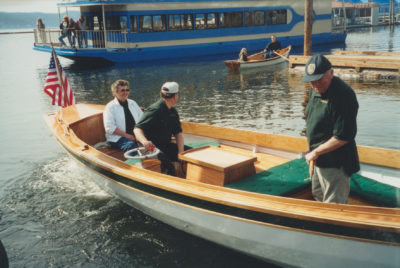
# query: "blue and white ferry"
[[141, 30]]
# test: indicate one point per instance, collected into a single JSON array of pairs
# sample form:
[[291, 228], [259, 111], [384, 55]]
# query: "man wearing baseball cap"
[[331, 127], [159, 122]]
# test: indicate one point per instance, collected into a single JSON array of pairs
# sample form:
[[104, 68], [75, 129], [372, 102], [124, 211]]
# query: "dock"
[[357, 64], [357, 60]]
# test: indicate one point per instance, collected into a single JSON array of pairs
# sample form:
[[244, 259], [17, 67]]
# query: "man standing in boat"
[[159, 122], [271, 47], [331, 127]]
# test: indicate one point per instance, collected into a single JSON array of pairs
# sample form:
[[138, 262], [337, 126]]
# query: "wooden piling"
[[308, 27]]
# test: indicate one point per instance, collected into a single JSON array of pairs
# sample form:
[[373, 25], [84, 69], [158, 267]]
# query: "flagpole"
[[59, 75]]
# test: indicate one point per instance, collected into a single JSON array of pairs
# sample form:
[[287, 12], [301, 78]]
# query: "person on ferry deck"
[[159, 122], [72, 27], [64, 30], [243, 55], [331, 127], [271, 47], [120, 117], [41, 28], [82, 27]]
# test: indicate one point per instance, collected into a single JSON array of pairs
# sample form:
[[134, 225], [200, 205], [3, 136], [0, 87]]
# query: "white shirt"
[[114, 117]]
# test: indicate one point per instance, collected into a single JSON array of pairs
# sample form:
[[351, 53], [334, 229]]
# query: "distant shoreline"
[[17, 32]]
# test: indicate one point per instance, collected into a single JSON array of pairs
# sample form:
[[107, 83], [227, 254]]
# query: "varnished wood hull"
[[278, 229]]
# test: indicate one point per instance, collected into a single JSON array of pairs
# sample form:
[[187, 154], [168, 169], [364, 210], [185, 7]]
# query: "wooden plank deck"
[[358, 60]]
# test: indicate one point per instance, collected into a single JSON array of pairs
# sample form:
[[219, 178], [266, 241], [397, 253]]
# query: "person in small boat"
[[120, 116], [159, 123], [331, 127], [271, 47], [243, 55], [41, 28], [64, 30]]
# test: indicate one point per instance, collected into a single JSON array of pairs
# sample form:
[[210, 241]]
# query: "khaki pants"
[[330, 185]]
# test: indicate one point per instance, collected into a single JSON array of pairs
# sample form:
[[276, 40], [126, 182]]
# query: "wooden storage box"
[[213, 165]]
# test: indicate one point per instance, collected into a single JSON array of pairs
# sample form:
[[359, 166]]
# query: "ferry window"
[[206, 21], [113, 23], [154, 23], [277, 17], [133, 24], [159, 23], [180, 22], [211, 20], [97, 23], [254, 18], [230, 19], [124, 23]]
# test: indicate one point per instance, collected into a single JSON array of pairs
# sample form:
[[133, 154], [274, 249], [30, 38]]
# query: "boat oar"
[[310, 170], [262, 52], [280, 55]]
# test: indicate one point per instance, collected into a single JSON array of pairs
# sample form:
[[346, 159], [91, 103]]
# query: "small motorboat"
[[248, 191], [257, 60]]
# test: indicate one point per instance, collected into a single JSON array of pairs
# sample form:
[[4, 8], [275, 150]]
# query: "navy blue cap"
[[316, 67]]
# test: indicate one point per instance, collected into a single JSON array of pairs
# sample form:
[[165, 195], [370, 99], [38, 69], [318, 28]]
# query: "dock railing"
[[83, 39]]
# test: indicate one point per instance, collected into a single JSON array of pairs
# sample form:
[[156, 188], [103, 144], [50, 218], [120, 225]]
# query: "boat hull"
[[278, 229], [271, 243]]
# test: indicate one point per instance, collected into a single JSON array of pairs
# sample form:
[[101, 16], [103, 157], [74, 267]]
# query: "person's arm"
[[180, 142], [140, 137], [326, 147], [119, 132]]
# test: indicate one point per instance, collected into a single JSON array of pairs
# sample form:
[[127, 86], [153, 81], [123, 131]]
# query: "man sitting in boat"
[[159, 122], [271, 47], [331, 127], [120, 117], [243, 55]]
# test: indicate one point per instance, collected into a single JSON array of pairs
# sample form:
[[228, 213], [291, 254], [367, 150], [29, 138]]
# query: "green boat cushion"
[[288, 178], [374, 191], [282, 180], [202, 143]]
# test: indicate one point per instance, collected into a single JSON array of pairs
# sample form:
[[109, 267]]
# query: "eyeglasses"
[[124, 90]]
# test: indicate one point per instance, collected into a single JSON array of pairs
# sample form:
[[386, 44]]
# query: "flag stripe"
[[53, 87]]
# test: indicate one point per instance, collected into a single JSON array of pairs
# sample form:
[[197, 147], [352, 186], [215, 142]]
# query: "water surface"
[[51, 215]]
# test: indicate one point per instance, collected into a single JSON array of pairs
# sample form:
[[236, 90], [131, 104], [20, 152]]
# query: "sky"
[[45, 6]]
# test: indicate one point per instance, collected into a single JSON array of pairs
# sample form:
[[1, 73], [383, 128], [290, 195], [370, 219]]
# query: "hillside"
[[28, 20]]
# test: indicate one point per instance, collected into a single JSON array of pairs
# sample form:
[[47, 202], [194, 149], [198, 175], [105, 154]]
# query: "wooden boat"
[[247, 191], [257, 60]]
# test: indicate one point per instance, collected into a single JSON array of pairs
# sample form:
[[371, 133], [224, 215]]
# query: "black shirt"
[[129, 120], [334, 114], [159, 124], [273, 46]]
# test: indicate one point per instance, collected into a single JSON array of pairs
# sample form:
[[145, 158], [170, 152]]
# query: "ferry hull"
[[122, 55]]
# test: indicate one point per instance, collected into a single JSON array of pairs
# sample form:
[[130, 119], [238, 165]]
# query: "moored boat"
[[257, 60], [133, 31], [247, 191]]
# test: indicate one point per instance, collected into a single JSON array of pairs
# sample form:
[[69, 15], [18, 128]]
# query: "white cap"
[[172, 87]]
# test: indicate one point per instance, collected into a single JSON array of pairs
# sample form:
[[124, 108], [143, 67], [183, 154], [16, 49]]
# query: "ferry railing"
[[83, 39]]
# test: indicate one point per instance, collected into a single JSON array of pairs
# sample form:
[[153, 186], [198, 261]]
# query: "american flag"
[[53, 86]]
